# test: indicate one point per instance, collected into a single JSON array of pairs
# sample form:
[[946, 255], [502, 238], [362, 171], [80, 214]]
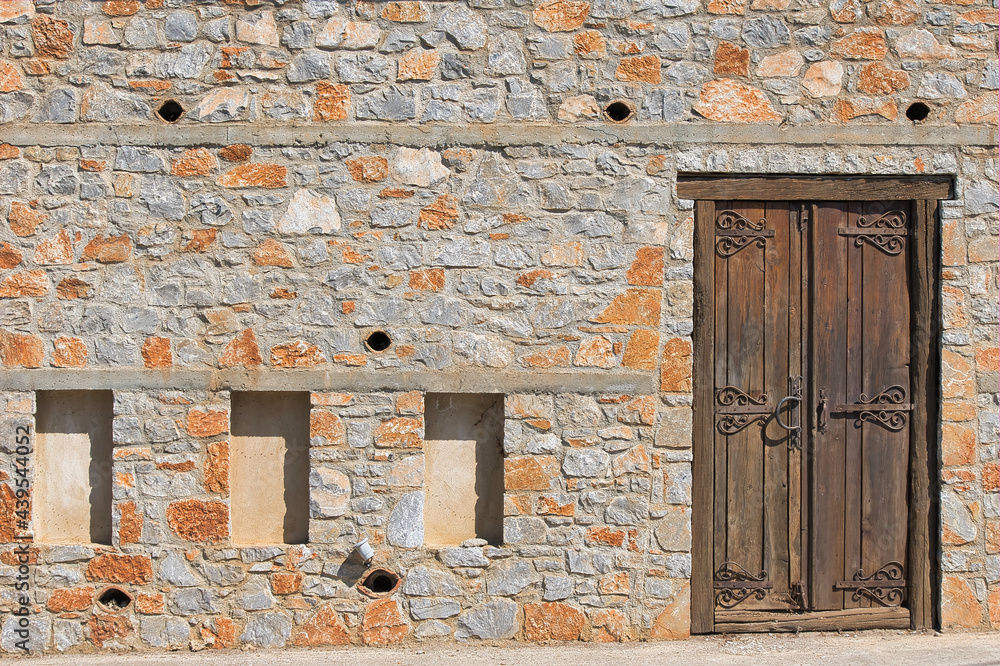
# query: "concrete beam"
[[353, 379], [505, 134]]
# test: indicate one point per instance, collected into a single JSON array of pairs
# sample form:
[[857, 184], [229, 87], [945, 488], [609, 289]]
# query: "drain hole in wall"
[[618, 112], [171, 111], [378, 341], [379, 583], [114, 599], [917, 111]]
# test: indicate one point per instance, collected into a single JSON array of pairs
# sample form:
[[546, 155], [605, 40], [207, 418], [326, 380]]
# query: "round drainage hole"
[[378, 341], [381, 581], [917, 111], [171, 111], [618, 111], [115, 599]]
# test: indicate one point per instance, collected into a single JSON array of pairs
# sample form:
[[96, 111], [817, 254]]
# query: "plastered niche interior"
[[72, 494], [464, 468], [269, 468]]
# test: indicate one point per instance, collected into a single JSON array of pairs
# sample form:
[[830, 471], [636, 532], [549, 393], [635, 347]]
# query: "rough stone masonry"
[[442, 171]]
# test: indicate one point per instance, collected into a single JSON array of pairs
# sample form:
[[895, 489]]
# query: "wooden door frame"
[[923, 194]]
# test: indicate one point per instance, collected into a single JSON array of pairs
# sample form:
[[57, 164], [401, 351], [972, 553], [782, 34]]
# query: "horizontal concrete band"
[[497, 135], [479, 381]]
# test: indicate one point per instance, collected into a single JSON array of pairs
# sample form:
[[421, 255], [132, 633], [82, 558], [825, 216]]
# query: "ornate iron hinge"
[[888, 408], [735, 232], [739, 409], [883, 232], [736, 584], [886, 586]]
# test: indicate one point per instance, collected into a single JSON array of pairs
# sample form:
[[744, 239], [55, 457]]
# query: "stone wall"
[[256, 243]]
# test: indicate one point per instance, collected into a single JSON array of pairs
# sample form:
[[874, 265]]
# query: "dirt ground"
[[868, 647]]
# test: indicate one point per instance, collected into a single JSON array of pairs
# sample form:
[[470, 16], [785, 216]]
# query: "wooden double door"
[[807, 390]]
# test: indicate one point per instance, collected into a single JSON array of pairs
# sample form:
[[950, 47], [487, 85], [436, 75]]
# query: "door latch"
[[795, 429], [823, 417]]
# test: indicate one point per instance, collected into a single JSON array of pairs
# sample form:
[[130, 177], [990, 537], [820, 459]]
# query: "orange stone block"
[[25, 283], [849, 109], [642, 68], [22, 350], [418, 64], [731, 59], [272, 253], [156, 353], [237, 152], [370, 169], [862, 44], [647, 269], [9, 152], [877, 79], [55, 251], [637, 307], [553, 357], [431, 279], [110, 250], [252, 174], [729, 101], [675, 370], [410, 403], [194, 162], [52, 37], [898, 12], [10, 78], [981, 110], [399, 433], [590, 43], [323, 628], [207, 422], [604, 536], [217, 467], [333, 100], [561, 15], [595, 352], [69, 352], [641, 350], [614, 584], [198, 520], [738, 7], [121, 7], [993, 607], [610, 626], [23, 220], [645, 407], [286, 582], [958, 444], [105, 628], [296, 354], [71, 287], [441, 214], [959, 607], [10, 256], [552, 621], [149, 604], [328, 426], [406, 11], [674, 621], [115, 568], [242, 350], [991, 477], [68, 599], [130, 523], [530, 472], [551, 506], [383, 623]]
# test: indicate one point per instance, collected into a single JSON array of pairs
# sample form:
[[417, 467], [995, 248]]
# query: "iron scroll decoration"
[[738, 409], [886, 586], [735, 585], [735, 232], [887, 408], [884, 232]]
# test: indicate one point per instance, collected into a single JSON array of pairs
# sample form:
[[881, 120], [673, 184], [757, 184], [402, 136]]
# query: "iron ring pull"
[[777, 413]]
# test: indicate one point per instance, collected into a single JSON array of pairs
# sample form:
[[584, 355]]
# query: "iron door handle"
[[777, 413], [824, 409]]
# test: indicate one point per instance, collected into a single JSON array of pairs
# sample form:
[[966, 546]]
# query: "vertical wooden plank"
[[702, 509], [829, 345], [745, 450], [885, 361], [795, 278], [855, 325], [775, 439], [924, 390], [721, 370]]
